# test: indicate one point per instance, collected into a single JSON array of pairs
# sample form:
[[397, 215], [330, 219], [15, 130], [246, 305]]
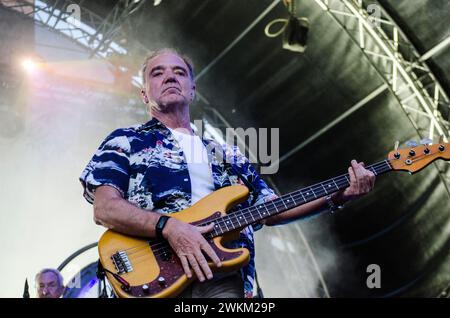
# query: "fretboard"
[[241, 218]]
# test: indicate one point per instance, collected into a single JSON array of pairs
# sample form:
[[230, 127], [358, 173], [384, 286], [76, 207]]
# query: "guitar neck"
[[241, 218]]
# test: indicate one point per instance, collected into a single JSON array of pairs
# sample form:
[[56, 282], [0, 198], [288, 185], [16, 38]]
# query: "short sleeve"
[[109, 166]]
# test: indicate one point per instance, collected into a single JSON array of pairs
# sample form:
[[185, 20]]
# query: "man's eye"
[[180, 72], [155, 74]]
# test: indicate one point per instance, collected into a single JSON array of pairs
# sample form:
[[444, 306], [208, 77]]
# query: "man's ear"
[[193, 92], [144, 96]]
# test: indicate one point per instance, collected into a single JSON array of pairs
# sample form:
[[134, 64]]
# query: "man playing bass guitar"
[[142, 174]]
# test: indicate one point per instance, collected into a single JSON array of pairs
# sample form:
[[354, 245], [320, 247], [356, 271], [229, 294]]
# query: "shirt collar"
[[155, 123], [150, 124]]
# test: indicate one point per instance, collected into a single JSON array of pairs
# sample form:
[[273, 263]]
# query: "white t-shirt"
[[200, 173]]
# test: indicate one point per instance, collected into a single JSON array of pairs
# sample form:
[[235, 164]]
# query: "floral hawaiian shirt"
[[147, 166]]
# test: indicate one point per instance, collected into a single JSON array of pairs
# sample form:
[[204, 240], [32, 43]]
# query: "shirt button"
[[186, 179]]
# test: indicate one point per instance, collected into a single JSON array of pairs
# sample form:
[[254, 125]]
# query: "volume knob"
[[161, 280], [145, 288]]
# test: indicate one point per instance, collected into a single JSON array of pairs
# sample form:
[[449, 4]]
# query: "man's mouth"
[[171, 90]]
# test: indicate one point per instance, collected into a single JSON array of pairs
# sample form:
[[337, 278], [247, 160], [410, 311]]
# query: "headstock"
[[415, 157]]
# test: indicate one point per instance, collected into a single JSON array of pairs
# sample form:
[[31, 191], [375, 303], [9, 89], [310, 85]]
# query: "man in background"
[[49, 283]]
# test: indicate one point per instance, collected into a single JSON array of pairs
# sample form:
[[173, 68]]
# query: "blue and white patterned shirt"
[[147, 166]]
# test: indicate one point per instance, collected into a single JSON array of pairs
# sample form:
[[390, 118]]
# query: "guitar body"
[[151, 268]]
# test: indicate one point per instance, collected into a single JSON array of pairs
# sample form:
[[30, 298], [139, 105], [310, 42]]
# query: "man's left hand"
[[362, 181]]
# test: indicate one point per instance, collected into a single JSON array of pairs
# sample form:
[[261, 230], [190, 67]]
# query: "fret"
[[295, 203], [304, 200], [287, 202], [241, 216], [317, 190], [324, 188], [216, 230], [337, 187], [274, 206], [230, 222], [308, 193], [225, 222], [373, 170], [329, 186], [315, 196], [233, 222], [267, 211], [237, 223], [284, 204], [290, 204], [260, 215], [237, 218], [347, 179], [251, 213]]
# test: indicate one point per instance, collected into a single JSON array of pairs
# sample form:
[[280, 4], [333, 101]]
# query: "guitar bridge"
[[121, 262]]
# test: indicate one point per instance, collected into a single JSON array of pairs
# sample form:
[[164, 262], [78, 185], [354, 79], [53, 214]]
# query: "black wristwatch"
[[162, 221]]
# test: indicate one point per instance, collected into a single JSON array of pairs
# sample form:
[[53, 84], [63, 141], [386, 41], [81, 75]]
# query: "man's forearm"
[[120, 215]]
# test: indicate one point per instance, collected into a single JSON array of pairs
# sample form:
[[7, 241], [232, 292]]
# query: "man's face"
[[168, 81], [48, 286]]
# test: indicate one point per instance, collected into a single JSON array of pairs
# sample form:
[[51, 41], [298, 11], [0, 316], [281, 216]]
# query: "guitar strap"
[[232, 170]]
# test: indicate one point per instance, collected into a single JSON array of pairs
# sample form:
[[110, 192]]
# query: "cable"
[[272, 35], [290, 5], [71, 257]]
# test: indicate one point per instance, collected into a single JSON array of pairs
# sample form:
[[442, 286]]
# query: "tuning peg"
[[411, 143], [396, 154], [397, 143], [426, 141]]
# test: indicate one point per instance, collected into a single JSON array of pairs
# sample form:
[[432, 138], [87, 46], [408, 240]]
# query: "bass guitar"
[[141, 267]]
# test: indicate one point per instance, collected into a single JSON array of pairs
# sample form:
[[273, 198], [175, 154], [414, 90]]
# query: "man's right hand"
[[189, 244]]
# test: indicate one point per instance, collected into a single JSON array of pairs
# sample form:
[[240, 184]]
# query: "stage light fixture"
[[295, 29], [295, 34]]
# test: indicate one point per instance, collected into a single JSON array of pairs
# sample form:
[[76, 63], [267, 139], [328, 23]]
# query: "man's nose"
[[170, 78]]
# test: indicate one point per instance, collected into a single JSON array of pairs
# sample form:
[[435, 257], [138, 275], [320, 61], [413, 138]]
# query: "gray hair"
[[154, 54], [50, 270]]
